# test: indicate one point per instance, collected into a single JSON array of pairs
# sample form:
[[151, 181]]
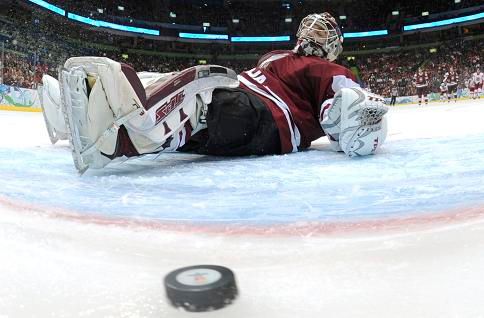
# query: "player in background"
[[394, 93], [478, 79], [452, 79], [471, 85], [421, 80], [443, 91], [291, 98]]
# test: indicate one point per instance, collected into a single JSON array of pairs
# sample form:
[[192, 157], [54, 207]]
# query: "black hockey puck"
[[201, 287]]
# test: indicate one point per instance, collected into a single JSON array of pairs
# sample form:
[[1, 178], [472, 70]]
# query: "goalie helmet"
[[319, 35]]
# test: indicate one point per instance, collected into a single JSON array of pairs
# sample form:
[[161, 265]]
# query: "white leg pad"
[[149, 115], [164, 119], [93, 121], [49, 93]]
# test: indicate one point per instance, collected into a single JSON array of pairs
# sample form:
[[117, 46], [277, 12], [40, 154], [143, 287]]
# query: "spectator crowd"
[[37, 42]]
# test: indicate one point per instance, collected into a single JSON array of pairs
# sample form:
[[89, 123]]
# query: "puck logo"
[[198, 277], [201, 287], [168, 106]]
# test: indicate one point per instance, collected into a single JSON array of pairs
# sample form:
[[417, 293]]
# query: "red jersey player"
[[421, 80], [452, 79], [288, 100]]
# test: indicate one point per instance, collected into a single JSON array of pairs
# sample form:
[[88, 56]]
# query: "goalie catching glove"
[[355, 122]]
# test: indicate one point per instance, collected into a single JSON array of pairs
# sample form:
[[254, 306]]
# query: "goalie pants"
[[239, 124]]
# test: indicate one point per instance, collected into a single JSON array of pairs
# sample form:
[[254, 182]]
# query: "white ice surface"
[[313, 234]]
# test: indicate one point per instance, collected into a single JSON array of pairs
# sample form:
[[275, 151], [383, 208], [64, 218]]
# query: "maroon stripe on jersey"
[[171, 86], [135, 83]]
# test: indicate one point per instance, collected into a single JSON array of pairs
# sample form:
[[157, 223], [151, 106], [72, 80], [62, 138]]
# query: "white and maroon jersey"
[[471, 84], [451, 78], [443, 87], [478, 77], [294, 88], [421, 79]]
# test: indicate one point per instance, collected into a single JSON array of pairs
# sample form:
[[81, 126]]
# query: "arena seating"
[[36, 42]]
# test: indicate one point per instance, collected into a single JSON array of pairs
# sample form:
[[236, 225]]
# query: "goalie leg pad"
[[49, 93], [81, 130], [356, 120], [100, 95], [180, 101], [96, 100]]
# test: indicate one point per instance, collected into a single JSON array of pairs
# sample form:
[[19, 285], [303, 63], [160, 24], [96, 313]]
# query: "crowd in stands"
[[36, 42], [381, 72], [19, 71]]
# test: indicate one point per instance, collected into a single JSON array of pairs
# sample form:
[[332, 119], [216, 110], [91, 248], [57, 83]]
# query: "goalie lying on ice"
[[288, 100]]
